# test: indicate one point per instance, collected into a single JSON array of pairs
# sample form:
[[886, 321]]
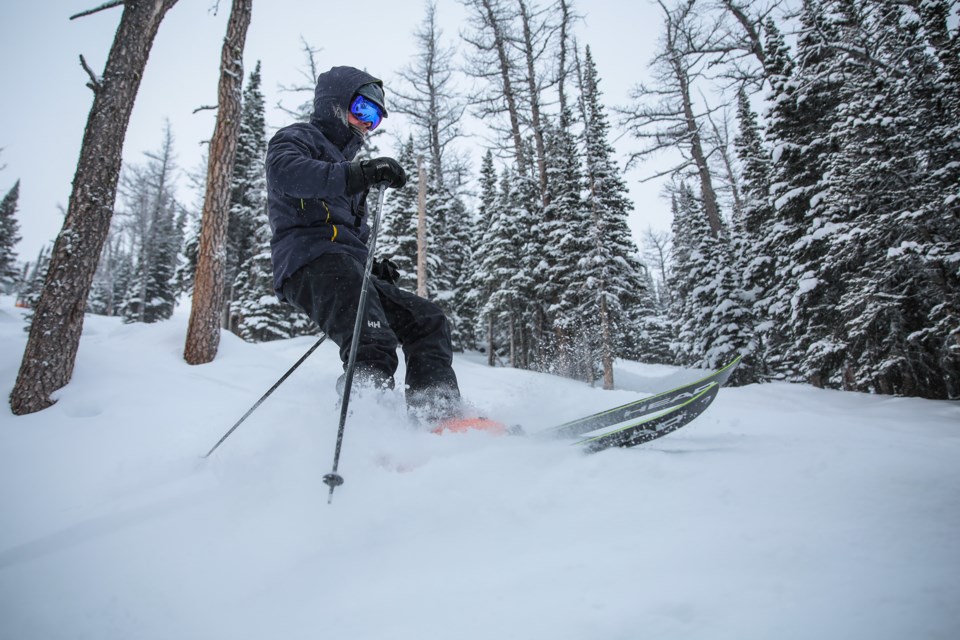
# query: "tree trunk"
[[491, 357], [203, 333], [421, 229], [529, 56], [509, 95], [606, 344], [51, 351], [696, 148], [562, 62]]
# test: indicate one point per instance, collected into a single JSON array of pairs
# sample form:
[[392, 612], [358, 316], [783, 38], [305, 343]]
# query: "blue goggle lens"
[[366, 111]]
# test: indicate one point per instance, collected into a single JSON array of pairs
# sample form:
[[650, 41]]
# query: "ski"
[[643, 407], [651, 427]]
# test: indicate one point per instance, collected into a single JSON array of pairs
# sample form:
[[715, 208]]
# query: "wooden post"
[[421, 230]]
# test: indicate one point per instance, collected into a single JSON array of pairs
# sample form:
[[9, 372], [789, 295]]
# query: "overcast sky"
[[45, 103]]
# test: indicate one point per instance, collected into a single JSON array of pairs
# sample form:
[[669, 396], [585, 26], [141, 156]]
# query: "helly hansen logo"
[[373, 324]]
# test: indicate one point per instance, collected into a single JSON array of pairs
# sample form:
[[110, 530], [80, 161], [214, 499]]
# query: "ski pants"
[[328, 290]]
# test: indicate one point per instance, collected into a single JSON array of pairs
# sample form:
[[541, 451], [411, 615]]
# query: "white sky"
[[46, 101]]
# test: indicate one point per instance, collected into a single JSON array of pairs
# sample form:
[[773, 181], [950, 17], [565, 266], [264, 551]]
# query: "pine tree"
[[151, 214], [752, 226], [802, 114], [560, 285], [879, 258], [114, 275], [492, 283], [490, 259], [651, 332], [9, 236], [529, 323], [260, 315], [691, 267], [29, 295], [397, 238], [456, 258], [187, 260], [476, 332], [255, 313], [612, 270], [247, 196]]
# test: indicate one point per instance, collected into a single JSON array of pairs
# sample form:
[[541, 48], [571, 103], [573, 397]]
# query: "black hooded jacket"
[[307, 163]]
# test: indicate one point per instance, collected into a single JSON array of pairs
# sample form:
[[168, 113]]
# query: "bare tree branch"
[[95, 84], [103, 7]]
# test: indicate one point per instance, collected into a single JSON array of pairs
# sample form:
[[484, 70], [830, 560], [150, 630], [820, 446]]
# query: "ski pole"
[[333, 479], [266, 395]]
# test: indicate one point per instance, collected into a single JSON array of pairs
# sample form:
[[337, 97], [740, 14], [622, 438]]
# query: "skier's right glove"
[[367, 173]]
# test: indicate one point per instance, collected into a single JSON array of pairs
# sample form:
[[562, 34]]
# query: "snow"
[[783, 512], [783, 200]]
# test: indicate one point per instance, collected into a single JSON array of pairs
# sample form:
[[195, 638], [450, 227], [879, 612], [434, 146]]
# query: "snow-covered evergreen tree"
[[260, 314], [492, 282], [560, 285], [613, 273], [448, 246], [882, 211], [33, 281], [247, 198], [529, 323], [850, 228], [476, 333], [9, 236], [750, 234], [397, 238], [114, 275], [651, 338], [187, 260], [492, 258], [149, 215], [256, 314]]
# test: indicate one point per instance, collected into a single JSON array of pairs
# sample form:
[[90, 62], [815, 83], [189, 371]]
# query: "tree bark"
[[421, 229], [51, 351], [606, 345], [491, 357], [696, 146], [529, 56], [499, 41], [203, 333]]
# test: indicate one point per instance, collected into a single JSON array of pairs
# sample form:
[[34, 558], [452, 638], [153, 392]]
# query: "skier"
[[317, 198]]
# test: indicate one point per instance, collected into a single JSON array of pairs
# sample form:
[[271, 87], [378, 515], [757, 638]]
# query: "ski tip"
[[463, 425]]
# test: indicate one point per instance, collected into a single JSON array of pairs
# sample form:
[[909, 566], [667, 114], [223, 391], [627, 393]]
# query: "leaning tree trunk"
[[51, 350], [530, 57], [710, 205], [203, 333], [509, 96]]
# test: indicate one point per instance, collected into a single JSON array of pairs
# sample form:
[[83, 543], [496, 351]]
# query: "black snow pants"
[[328, 290]]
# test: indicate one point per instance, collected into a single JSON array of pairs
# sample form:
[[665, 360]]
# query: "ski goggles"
[[367, 110]]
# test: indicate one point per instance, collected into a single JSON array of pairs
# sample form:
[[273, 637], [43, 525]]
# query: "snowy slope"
[[784, 512]]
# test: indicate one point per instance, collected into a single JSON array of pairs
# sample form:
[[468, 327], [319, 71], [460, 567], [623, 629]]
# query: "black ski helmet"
[[374, 91]]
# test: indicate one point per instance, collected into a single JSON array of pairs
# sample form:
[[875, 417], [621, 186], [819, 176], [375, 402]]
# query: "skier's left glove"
[[386, 270]]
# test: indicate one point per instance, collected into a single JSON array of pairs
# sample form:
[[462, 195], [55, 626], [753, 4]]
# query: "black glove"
[[367, 173], [386, 270]]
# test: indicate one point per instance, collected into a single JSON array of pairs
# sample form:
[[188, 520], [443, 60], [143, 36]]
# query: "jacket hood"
[[331, 103]]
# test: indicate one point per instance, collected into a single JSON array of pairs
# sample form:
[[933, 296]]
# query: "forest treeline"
[[815, 197]]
